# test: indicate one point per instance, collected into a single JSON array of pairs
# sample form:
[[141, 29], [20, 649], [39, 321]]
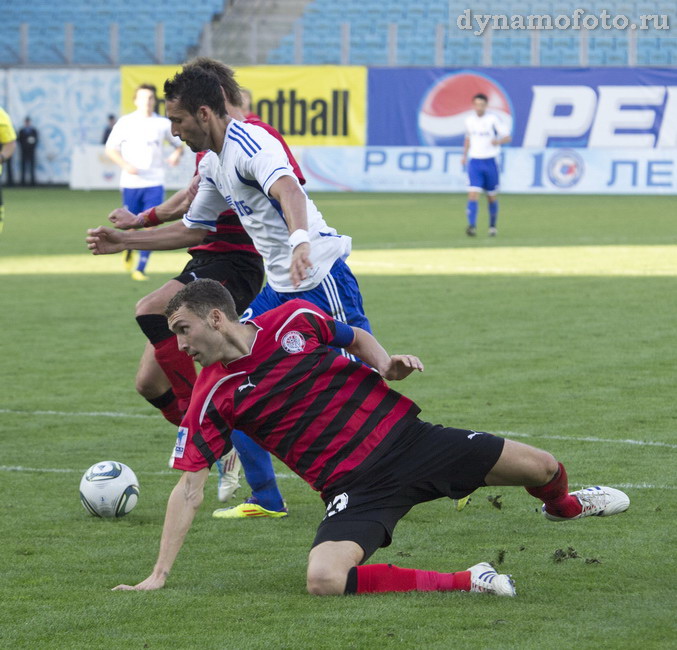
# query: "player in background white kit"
[[135, 145], [485, 133]]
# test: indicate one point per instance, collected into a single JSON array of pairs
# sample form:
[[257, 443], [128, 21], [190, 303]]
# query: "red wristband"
[[152, 218]]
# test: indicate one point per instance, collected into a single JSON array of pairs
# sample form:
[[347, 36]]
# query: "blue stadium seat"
[[92, 22]]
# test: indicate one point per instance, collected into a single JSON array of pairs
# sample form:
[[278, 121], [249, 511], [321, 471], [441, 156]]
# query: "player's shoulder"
[[248, 139], [268, 128]]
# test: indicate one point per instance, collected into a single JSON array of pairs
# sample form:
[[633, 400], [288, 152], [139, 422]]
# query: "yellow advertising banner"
[[132, 76], [308, 105]]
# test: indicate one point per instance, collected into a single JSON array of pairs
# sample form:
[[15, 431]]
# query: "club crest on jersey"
[[293, 342], [337, 504]]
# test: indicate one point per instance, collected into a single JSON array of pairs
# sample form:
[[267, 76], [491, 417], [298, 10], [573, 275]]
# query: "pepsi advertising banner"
[[542, 107]]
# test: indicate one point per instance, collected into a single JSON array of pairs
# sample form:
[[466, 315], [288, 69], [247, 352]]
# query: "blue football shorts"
[[483, 175], [338, 295], [138, 199]]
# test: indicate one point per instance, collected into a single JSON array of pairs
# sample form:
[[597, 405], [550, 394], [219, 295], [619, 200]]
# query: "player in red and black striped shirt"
[[339, 426], [166, 376]]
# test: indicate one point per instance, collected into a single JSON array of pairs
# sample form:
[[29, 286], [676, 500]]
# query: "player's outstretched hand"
[[104, 241], [151, 583], [401, 366], [300, 262], [124, 219]]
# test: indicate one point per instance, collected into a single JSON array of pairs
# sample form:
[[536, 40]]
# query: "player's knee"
[[145, 386], [151, 304], [544, 467], [326, 580]]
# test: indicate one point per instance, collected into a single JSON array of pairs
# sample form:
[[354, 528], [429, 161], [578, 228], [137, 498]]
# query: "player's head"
[[145, 98], [193, 100], [479, 103], [193, 88], [198, 315], [225, 75], [246, 100]]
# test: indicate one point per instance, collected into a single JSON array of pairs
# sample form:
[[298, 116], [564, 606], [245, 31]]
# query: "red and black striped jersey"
[[317, 411], [230, 236]]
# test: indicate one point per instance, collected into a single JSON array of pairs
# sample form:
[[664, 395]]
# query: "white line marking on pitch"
[[53, 470], [507, 434], [88, 414], [626, 441]]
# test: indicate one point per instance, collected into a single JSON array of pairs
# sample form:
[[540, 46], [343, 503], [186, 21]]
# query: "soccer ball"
[[109, 489]]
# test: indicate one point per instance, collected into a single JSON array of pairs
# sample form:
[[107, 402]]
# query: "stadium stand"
[[361, 32], [418, 23], [46, 30]]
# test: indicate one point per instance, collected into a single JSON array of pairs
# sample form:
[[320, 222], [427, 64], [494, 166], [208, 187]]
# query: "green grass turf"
[[578, 365]]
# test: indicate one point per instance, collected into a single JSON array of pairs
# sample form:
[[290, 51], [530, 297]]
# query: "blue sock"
[[143, 260], [493, 214], [471, 213], [258, 470]]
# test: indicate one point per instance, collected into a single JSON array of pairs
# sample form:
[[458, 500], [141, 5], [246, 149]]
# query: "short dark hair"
[[481, 96], [224, 73], [194, 87], [150, 87], [200, 297]]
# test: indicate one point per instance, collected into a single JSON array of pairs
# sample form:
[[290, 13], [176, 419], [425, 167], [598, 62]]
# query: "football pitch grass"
[[558, 333]]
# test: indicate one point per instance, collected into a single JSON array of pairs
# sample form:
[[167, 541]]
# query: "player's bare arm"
[[106, 241], [391, 367], [170, 210], [291, 197], [466, 146], [184, 502], [117, 158], [175, 157]]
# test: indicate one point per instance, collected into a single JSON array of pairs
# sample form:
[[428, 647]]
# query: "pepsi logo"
[[446, 106]]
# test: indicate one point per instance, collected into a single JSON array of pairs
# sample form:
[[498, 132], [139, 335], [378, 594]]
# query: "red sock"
[[173, 412], [378, 578], [178, 367], [556, 496], [169, 406]]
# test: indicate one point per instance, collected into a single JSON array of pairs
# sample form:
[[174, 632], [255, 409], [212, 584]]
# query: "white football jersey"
[[481, 131], [240, 178], [139, 140]]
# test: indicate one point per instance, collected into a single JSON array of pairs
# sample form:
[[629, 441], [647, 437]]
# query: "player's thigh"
[[474, 177], [329, 564], [241, 274], [157, 301], [152, 196], [491, 179], [521, 464], [132, 199]]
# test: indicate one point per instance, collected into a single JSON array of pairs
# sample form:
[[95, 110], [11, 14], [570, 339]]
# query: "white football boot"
[[485, 579], [228, 467], [598, 501]]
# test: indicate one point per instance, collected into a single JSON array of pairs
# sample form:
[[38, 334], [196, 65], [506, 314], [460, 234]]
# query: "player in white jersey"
[[135, 145], [485, 133], [248, 171], [241, 177]]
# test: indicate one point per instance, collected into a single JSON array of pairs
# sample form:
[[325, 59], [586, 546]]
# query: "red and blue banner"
[[544, 107]]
